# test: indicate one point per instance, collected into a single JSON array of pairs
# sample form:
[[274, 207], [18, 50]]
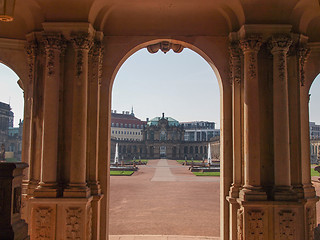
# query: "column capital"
[[280, 42], [251, 44], [53, 41], [235, 62], [303, 53], [81, 41]]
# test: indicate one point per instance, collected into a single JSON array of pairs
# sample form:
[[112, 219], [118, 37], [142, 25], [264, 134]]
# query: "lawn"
[[121, 173], [142, 160], [12, 160], [206, 173], [314, 172], [189, 161]]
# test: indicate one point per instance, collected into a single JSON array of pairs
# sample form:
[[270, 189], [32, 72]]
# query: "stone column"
[[48, 186], [282, 188], [95, 70], [252, 179], [77, 186], [235, 69]]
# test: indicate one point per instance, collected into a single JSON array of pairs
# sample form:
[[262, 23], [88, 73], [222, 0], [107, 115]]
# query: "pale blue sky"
[[182, 86]]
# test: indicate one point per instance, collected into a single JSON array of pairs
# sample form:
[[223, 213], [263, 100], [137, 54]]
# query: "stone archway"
[[163, 44]]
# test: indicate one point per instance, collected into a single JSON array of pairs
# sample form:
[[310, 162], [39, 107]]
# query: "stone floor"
[[163, 200]]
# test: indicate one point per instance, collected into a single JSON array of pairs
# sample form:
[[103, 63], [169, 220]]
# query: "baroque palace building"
[[160, 137], [265, 54]]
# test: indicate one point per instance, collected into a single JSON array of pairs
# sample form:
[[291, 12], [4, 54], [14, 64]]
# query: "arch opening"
[[192, 147]]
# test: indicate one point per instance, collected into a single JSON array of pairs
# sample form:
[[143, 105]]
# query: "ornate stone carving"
[[280, 45], [303, 54], [240, 224], [250, 48], [252, 43], [255, 225], [286, 225], [52, 43], [81, 42], [235, 62], [43, 223], [165, 47], [73, 223], [96, 53], [311, 221], [31, 51]]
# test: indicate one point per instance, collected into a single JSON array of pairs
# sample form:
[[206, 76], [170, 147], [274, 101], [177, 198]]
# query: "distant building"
[[315, 151], [199, 130], [6, 117], [125, 126], [10, 136], [162, 137], [314, 130]]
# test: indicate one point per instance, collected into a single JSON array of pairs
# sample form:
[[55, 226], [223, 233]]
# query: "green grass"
[[142, 160], [12, 160], [314, 173], [189, 161], [206, 173], [121, 173]]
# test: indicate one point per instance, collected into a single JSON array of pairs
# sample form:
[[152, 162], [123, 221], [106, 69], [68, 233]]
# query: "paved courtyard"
[[163, 199]]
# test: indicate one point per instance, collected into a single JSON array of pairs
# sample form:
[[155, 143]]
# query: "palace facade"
[[162, 137]]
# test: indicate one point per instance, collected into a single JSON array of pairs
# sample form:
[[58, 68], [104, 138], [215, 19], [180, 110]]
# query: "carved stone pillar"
[[252, 180], [31, 174], [48, 187], [77, 187], [282, 188], [308, 189], [235, 70], [95, 71]]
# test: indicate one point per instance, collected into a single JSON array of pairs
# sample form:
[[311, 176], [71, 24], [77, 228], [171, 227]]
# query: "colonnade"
[[271, 196], [266, 190]]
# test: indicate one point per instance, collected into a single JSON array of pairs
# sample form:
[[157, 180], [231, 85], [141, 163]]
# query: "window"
[[112, 132], [112, 124], [125, 125], [134, 125], [117, 124], [129, 125], [121, 125]]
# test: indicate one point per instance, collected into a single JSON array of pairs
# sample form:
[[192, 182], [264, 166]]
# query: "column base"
[[76, 191], [61, 218], [252, 193], [309, 191], [284, 193], [298, 189], [47, 190]]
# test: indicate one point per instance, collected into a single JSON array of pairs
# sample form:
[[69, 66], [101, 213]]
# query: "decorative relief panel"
[[89, 223], [44, 219], [74, 223], [286, 225], [311, 222], [255, 225]]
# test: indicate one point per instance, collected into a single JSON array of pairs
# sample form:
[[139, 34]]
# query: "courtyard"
[[165, 198]]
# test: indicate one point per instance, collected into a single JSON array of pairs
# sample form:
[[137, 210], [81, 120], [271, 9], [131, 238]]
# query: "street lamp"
[[6, 10]]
